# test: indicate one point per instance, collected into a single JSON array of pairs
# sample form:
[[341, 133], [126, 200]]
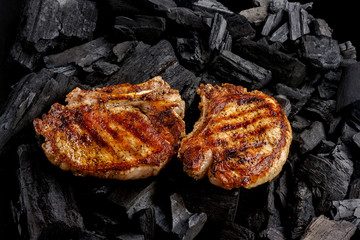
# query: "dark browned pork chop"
[[120, 132], [241, 139]]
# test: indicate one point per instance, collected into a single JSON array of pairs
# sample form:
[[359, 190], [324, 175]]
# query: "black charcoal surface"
[[283, 67], [29, 98], [46, 203]]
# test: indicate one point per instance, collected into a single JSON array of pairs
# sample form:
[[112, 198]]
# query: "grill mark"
[[88, 124], [242, 113], [125, 146]]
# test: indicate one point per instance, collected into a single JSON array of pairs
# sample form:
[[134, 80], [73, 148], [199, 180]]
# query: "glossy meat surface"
[[120, 132], [242, 139]]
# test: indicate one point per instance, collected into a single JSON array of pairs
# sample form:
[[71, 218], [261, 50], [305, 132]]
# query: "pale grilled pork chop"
[[242, 139], [120, 132]]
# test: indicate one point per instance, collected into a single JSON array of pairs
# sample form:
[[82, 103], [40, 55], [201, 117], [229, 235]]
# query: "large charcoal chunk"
[[323, 228], [83, 55], [186, 17], [141, 27], [321, 28], [311, 137], [49, 24], [329, 178], [272, 22], [294, 20], [303, 210], [348, 209], [320, 109], [239, 27], [45, 203], [30, 96], [321, 52], [185, 224], [135, 197], [193, 53], [283, 67], [349, 87], [218, 33], [231, 67], [48, 20]]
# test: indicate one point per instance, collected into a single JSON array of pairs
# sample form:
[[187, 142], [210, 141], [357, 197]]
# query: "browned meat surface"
[[120, 132], [242, 139]]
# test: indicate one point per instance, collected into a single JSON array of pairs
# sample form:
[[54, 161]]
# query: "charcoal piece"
[[46, 204], [283, 67], [122, 50], [323, 228], [255, 15], [321, 52], [47, 23], [281, 34], [144, 63], [354, 189], [321, 28], [147, 62], [186, 17], [261, 3], [105, 68], [272, 22], [321, 110], [232, 231], [299, 123], [348, 209], [239, 27], [141, 6], [135, 197], [329, 178], [347, 133], [294, 20], [146, 218], [273, 220], [30, 96], [356, 139], [83, 55], [348, 51], [196, 223], [278, 5], [304, 22], [292, 93], [311, 137], [192, 52], [285, 103], [26, 58], [180, 215], [349, 87], [215, 202], [227, 42], [235, 69], [326, 147], [272, 234], [211, 6], [303, 209], [218, 32], [148, 28]]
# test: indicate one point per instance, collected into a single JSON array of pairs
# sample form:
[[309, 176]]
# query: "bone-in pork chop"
[[120, 132], [242, 139]]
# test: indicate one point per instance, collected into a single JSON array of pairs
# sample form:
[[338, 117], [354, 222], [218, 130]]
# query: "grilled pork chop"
[[120, 132], [241, 139]]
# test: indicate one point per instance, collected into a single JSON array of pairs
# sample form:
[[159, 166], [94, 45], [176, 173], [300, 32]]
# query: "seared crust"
[[119, 132], [242, 139]]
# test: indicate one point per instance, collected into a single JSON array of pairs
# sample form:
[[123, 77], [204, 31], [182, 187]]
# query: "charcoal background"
[[342, 17]]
